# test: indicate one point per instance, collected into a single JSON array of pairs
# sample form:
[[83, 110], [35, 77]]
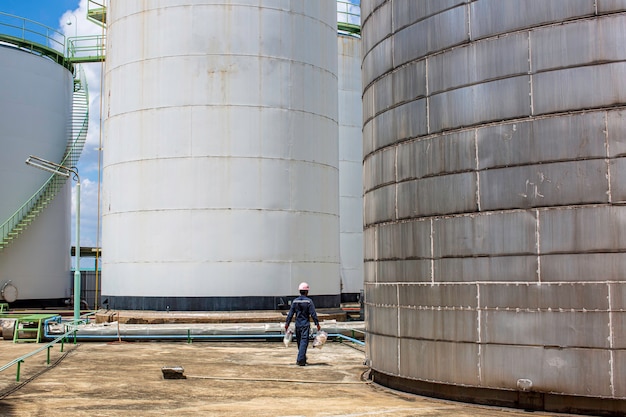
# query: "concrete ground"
[[223, 379]]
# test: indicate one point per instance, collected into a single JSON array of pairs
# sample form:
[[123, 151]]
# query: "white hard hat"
[[303, 286]]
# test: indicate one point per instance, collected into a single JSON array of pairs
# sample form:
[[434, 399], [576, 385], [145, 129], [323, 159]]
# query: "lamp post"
[[66, 172], [71, 41]]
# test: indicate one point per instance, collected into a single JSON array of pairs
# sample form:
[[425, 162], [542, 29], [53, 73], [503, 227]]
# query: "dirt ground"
[[223, 379]]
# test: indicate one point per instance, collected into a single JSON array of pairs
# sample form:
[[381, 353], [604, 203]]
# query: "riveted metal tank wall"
[[221, 156], [35, 117], [350, 154], [494, 176]]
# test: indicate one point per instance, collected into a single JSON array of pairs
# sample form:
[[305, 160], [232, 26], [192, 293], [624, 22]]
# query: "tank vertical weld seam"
[[530, 77], [398, 329], [477, 159], [479, 334], [607, 144], [427, 96], [611, 342], [538, 243], [396, 183], [432, 250], [468, 10]]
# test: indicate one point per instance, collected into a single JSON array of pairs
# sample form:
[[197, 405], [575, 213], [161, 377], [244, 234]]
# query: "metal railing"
[[81, 49], [349, 16], [33, 36], [59, 339]]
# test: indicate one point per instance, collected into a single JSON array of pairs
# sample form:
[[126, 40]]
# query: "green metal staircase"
[[15, 225]]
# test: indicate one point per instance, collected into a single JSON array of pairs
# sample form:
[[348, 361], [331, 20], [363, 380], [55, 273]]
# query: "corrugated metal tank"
[[35, 115], [221, 158], [494, 187], [350, 163]]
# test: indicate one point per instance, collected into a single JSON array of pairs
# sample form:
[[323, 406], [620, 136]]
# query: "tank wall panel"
[[579, 136], [571, 45], [617, 168], [582, 267], [618, 321], [384, 320], [492, 268], [369, 271], [404, 240], [450, 325], [450, 30], [380, 205], [520, 14], [406, 12], [409, 82], [381, 30], [439, 361], [468, 106], [383, 296], [383, 352], [377, 61], [547, 296], [509, 233], [410, 270], [619, 358], [616, 131], [547, 368], [582, 230], [444, 154], [558, 184], [479, 62], [462, 296], [456, 193], [551, 93], [606, 6], [405, 121], [380, 169]]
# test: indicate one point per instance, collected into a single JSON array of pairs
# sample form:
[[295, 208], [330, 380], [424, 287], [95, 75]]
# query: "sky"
[[55, 14]]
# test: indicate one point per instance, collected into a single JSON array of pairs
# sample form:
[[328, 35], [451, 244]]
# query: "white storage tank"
[[220, 158], [35, 115], [350, 150], [494, 200]]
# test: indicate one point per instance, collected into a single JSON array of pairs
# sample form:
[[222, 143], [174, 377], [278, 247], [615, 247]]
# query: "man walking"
[[303, 308]]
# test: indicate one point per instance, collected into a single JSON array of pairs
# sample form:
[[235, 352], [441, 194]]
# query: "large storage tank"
[[221, 158], [494, 190], [35, 115], [350, 150]]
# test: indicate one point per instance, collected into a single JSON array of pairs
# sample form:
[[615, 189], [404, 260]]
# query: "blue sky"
[[55, 14]]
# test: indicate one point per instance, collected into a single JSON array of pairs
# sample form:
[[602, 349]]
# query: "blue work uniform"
[[303, 308]]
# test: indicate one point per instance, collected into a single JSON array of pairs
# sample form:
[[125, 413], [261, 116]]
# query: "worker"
[[304, 309]]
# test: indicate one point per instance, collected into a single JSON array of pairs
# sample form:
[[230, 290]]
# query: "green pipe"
[[19, 363]]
